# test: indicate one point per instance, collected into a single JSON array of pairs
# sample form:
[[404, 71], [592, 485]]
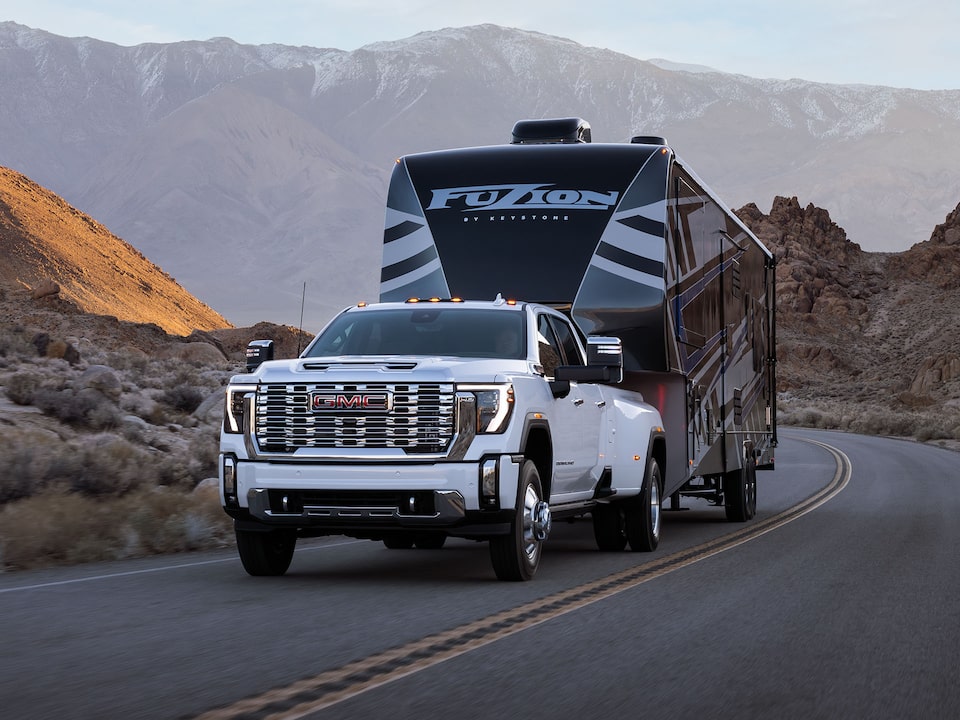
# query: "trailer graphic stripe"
[[313, 694], [401, 230], [630, 260], [644, 225], [396, 270]]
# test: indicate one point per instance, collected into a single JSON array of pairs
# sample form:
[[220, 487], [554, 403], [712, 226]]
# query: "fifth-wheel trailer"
[[631, 243]]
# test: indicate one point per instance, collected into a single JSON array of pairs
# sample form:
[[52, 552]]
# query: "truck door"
[[577, 418]]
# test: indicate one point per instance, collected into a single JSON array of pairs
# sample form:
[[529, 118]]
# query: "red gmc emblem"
[[324, 401]]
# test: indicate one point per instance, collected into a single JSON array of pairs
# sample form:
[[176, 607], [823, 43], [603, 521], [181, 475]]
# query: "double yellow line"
[[328, 688]]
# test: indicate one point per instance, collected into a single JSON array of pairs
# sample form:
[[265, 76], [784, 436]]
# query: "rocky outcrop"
[[934, 372], [819, 271], [934, 262]]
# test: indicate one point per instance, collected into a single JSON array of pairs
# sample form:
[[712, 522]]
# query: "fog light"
[[229, 476], [489, 481]]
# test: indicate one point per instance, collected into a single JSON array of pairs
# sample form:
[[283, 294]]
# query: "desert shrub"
[[184, 398], [132, 361], [32, 462], [85, 408], [16, 342], [163, 522], [205, 452], [111, 465], [809, 417], [22, 386], [16, 479], [56, 528], [931, 430]]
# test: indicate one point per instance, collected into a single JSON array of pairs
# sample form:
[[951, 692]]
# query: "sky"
[[873, 42]]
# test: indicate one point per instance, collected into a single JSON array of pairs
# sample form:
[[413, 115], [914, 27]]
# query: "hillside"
[[51, 249]]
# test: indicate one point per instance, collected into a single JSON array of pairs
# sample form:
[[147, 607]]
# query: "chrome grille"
[[418, 419]]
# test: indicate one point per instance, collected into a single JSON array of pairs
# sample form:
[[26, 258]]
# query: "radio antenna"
[[303, 299]]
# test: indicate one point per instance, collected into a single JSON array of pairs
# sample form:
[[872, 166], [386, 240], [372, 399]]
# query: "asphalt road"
[[846, 608]]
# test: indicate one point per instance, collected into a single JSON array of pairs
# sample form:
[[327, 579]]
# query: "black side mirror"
[[258, 351], [604, 363]]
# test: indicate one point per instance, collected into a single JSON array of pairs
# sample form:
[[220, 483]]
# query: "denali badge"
[[376, 401]]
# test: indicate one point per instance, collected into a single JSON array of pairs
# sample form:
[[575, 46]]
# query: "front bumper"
[[368, 499]]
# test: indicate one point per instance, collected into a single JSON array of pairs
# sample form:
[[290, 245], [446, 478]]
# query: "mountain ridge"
[[95, 123]]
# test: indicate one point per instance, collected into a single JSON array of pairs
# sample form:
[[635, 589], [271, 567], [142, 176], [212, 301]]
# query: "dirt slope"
[[46, 244]]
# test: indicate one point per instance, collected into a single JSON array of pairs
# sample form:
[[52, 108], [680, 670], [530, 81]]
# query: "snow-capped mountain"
[[247, 171]]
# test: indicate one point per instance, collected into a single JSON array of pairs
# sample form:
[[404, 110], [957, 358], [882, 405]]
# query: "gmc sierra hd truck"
[[564, 329]]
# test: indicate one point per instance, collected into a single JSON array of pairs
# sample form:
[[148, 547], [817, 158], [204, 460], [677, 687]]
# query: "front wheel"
[[517, 556], [644, 512], [266, 552]]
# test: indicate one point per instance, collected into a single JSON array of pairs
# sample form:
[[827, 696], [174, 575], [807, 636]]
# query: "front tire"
[[517, 556], [266, 552], [644, 512]]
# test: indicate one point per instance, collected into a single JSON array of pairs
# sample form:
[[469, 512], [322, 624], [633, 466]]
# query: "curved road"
[[840, 600]]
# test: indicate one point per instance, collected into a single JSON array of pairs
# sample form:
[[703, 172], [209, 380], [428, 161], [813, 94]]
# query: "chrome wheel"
[[516, 556]]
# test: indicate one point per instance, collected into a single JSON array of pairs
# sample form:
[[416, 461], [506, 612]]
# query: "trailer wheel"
[[516, 556], [740, 493], [266, 553], [644, 512], [610, 527]]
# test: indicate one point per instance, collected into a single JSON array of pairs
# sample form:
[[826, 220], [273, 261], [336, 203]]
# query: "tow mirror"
[[604, 363], [258, 351]]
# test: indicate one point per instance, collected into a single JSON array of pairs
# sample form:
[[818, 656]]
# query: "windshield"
[[420, 330]]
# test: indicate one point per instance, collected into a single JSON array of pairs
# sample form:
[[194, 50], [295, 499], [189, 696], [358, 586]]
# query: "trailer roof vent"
[[555, 130], [648, 140]]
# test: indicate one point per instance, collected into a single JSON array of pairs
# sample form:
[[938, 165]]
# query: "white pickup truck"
[[410, 422]]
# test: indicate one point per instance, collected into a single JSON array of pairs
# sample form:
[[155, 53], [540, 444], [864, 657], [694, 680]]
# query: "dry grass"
[[56, 528]]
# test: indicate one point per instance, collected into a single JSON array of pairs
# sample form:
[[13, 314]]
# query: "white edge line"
[[127, 573]]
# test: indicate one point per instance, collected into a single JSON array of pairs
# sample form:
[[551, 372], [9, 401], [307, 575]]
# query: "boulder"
[[103, 379], [44, 288], [198, 352]]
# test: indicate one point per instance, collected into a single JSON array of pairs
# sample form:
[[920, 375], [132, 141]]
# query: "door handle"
[[578, 402]]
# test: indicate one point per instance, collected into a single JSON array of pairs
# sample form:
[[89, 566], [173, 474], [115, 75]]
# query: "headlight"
[[494, 405], [233, 412]]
